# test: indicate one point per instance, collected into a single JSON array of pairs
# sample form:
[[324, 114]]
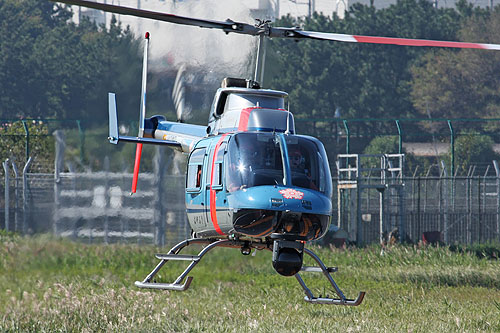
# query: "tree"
[[463, 84], [51, 68], [365, 81], [472, 148]]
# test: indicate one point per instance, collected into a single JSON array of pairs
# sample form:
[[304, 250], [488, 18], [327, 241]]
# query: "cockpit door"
[[214, 194], [195, 191]]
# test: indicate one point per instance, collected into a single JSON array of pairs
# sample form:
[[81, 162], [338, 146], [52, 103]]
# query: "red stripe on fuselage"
[[213, 196], [244, 116]]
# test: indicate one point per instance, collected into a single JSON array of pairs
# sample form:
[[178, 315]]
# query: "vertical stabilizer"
[[113, 119]]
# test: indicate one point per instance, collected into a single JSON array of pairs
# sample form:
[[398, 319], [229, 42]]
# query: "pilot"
[[240, 164], [297, 161], [251, 154], [301, 175]]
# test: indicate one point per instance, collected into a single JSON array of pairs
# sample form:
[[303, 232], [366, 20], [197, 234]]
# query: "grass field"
[[48, 284]]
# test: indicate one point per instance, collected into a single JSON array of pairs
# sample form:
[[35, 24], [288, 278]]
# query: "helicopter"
[[252, 182]]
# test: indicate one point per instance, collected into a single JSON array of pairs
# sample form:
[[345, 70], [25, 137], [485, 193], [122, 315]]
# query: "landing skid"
[[173, 254]]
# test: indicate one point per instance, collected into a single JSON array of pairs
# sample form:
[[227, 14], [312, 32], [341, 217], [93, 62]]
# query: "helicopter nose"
[[301, 200], [279, 198]]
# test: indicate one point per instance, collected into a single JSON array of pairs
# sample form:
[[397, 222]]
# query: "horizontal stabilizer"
[[194, 131], [173, 144], [114, 136]]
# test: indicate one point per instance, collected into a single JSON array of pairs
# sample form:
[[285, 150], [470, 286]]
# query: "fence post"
[[419, 229], [7, 186], [469, 209], [26, 130], [359, 222], [16, 195], [479, 219], [107, 200], [497, 171], [402, 215], [381, 192], [445, 204], [400, 137], [81, 135], [348, 136], [159, 205], [60, 146], [452, 147], [25, 192]]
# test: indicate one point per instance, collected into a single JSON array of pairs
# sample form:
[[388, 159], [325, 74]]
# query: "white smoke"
[[209, 49]]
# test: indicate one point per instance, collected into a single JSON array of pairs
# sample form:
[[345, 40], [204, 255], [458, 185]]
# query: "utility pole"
[[311, 6]]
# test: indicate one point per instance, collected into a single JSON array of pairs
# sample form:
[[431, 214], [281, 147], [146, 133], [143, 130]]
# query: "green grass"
[[49, 284]]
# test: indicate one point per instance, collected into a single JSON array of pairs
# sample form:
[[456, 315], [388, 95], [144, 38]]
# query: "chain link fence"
[[97, 206], [444, 209]]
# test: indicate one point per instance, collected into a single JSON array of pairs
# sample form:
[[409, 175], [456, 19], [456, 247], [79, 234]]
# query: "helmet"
[[296, 159]]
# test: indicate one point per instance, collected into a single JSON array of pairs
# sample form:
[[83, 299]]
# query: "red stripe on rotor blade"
[[244, 116], [138, 152], [417, 42], [213, 194]]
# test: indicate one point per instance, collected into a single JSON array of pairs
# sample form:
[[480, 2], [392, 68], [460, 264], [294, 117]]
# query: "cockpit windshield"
[[254, 159]]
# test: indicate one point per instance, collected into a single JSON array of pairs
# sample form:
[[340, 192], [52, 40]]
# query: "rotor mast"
[[263, 32], [261, 60]]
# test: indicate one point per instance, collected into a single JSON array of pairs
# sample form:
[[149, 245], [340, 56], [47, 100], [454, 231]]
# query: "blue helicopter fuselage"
[[258, 183]]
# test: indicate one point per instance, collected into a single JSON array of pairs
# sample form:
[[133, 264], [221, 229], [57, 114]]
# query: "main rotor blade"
[[227, 26], [248, 29], [294, 33]]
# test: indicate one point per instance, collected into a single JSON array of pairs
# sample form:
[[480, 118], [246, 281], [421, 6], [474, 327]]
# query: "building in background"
[[261, 9]]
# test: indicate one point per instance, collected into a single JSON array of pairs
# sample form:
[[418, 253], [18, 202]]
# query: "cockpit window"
[[253, 159], [308, 164], [241, 101]]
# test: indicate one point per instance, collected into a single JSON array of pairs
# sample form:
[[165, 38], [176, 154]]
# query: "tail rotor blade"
[[138, 152]]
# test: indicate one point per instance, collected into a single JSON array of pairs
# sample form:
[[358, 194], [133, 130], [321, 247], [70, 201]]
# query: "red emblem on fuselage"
[[290, 193]]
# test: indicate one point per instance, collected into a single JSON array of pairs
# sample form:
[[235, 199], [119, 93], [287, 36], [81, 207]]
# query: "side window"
[[195, 167], [217, 181], [217, 166]]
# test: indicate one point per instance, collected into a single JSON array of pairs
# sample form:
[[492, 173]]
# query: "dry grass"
[[55, 285]]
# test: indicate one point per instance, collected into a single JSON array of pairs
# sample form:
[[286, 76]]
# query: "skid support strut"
[[178, 284], [342, 300]]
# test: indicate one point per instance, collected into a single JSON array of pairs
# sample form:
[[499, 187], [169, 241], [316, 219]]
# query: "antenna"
[[142, 115], [287, 123]]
